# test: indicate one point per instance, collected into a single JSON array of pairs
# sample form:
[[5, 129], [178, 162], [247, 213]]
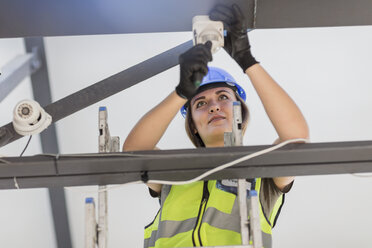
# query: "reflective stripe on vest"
[[176, 224]]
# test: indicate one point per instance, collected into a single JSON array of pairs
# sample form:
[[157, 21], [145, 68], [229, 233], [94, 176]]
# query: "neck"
[[218, 144], [217, 141]]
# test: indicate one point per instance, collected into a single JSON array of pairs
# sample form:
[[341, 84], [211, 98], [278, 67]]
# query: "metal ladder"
[[253, 234], [96, 233]]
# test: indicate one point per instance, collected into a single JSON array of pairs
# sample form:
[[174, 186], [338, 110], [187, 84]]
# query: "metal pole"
[[103, 146], [49, 142], [90, 223], [242, 183]]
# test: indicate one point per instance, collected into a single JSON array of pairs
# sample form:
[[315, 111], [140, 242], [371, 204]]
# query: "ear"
[[195, 131]]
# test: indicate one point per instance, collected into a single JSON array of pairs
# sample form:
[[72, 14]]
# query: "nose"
[[214, 108]]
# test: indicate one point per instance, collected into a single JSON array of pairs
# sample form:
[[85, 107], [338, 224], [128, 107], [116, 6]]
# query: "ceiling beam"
[[22, 18], [49, 143], [314, 13], [116, 168]]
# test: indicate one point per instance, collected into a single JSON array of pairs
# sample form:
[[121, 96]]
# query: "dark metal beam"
[[22, 18], [314, 13], [49, 143], [99, 169], [41, 91], [105, 88]]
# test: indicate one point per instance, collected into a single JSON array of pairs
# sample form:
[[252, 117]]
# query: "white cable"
[[221, 167], [16, 183], [227, 165]]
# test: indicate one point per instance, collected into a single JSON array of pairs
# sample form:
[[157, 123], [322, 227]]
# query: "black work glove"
[[193, 67], [236, 41]]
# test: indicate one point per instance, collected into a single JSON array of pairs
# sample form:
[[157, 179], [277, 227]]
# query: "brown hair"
[[190, 126]]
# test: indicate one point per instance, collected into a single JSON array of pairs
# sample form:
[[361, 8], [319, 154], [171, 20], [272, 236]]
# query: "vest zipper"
[[197, 240]]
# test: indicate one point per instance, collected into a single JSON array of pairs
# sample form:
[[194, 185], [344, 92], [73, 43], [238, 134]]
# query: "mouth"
[[216, 118]]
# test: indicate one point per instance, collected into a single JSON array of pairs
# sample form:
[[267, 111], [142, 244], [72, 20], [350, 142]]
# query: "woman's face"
[[212, 112]]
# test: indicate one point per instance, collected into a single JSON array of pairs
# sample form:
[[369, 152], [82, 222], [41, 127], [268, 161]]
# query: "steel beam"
[[22, 18], [105, 88], [41, 91], [314, 13], [116, 168], [16, 71], [49, 143]]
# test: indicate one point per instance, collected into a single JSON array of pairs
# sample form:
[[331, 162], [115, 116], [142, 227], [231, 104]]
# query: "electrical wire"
[[16, 185], [198, 178], [214, 170], [227, 165], [28, 142]]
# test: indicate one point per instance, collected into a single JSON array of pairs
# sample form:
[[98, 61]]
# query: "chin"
[[219, 131], [221, 128]]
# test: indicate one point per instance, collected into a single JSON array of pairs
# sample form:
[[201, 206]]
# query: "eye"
[[200, 104], [223, 97]]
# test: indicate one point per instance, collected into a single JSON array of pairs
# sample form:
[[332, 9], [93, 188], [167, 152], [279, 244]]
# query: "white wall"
[[325, 70]]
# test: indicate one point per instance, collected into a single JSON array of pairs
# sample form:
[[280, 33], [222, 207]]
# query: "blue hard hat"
[[217, 75]]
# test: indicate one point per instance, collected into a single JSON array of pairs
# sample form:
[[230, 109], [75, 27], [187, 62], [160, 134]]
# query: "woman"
[[206, 213]]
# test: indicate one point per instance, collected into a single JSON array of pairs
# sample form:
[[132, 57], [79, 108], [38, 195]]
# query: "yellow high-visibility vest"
[[203, 214]]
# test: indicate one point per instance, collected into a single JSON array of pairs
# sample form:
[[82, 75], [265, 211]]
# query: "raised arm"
[[151, 127], [285, 116], [283, 112]]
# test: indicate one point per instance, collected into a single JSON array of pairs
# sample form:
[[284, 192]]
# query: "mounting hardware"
[[205, 30], [30, 118]]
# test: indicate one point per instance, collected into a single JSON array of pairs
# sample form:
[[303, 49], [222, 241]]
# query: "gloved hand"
[[236, 41], [193, 67]]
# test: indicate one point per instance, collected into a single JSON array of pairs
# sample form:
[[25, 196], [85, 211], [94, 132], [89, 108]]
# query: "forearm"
[[284, 114], [151, 127]]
